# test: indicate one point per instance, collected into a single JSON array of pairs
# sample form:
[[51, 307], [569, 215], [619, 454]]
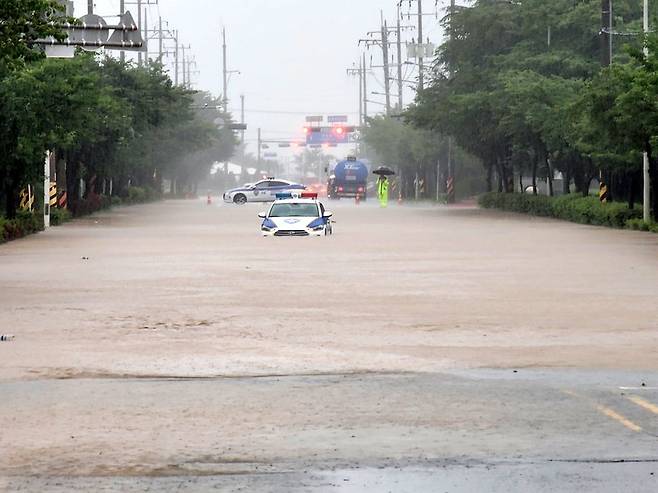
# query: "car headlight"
[[318, 224], [268, 224]]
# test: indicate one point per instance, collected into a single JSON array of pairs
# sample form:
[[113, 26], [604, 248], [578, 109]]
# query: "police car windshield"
[[294, 210]]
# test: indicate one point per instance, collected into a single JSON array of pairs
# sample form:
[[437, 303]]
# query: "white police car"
[[296, 216], [262, 191]]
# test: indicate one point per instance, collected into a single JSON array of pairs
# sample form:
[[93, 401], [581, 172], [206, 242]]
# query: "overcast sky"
[[292, 54]]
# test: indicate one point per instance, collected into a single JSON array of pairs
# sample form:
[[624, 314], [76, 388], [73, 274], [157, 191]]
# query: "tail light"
[[340, 189], [360, 189]]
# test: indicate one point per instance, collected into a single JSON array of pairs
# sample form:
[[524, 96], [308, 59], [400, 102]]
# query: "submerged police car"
[[296, 216], [262, 191]]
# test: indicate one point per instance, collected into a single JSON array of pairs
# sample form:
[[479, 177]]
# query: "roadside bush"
[[641, 225], [136, 195], [536, 205], [116, 201], [141, 195], [106, 201], [24, 224], [59, 216], [575, 208]]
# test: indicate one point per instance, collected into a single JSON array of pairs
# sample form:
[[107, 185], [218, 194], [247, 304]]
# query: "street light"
[[382, 94]]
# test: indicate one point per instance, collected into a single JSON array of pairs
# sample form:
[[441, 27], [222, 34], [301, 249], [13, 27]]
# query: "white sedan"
[[303, 216], [262, 191]]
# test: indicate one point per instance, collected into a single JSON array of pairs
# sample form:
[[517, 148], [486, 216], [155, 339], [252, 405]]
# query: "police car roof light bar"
[[309, 195], [283, 196]]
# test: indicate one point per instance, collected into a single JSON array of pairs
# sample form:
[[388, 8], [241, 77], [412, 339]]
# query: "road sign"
[[337, 134], [314, 119], [270, 155], [92, 33], [337, 119], [94, 37], [60, 51], [129, 40]]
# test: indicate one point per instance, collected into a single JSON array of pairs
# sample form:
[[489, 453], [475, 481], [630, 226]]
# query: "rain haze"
[[292, 55], [455, 294]]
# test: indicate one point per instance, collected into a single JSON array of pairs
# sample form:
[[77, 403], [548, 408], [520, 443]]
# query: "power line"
[[282, 112]]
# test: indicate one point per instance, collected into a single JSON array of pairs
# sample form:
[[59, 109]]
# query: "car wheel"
[[240, 199]]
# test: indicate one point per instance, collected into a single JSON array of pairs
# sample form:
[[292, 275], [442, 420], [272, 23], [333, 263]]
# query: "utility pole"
[[122, 9], [387, 75], [606, 33], [242, 120], [259, 150], [161, 40], [361, 76], [365, 92], [646, 195], [191, 62], [139, 23], [183, 48], [399, 43], [146, 35], [176, 57], [90, 7], [224, 72], [451, 168], [359, 71], [421, 68]]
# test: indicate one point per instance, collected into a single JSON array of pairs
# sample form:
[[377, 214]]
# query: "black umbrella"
[[384, 171]]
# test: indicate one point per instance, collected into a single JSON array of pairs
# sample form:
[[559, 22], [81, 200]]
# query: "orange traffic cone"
[[209, 199], [400, 199], [357, 199]]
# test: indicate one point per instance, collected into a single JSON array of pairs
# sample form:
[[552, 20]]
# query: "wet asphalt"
[[116, 394]]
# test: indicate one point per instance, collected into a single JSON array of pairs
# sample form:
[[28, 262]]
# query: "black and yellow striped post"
[[450, 187], [26, 199], [53, 194], [603, 193]]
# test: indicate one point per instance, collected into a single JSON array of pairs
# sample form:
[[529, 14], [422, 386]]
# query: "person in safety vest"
[[382, 190]]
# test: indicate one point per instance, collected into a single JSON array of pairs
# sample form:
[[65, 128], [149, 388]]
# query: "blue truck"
[[348, 180]]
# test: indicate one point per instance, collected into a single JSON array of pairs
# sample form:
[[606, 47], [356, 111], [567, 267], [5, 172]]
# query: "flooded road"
[[170, 347]]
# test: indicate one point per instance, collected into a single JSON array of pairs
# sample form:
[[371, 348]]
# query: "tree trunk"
[[521, 189], [631, 192], [535, 158], [653, 177], [566, 182], [499, 176], [489, 177], [11, 197], [549, 177]]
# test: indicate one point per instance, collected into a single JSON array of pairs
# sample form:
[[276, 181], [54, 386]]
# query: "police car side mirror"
[[262, 215], [328, 214]]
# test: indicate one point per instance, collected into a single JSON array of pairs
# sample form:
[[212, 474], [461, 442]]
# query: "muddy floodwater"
[[169, 347]]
